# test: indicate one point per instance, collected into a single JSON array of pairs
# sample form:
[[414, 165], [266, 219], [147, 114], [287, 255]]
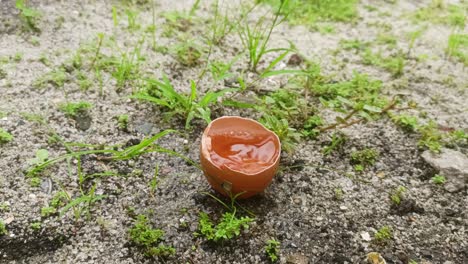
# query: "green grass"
[[188, 53], [458, 47], [126, 68], [73, 109], [175, 104], [30, 17], [255, 38], [439, 13], [56, 78], [3, 230], [5, 137], [220, 24], [394, 64], [309, 12]]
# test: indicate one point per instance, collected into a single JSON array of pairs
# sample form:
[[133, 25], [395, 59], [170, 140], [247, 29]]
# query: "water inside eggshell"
[[243, 151]]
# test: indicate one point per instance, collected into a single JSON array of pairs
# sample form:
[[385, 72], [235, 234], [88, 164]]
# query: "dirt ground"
[[300, 208]]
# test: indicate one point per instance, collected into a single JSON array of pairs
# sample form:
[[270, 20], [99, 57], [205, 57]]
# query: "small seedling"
[[437, 12], [4, 207], [431, 137], [397, 195], [406, 122], [358, 168], [338, 193], [458, 137], [3, 230], [309, 12], [132, 17], [5, 137], [458, 47], [394, 64], [82, 203], [48, 211], [221, 26], [365, 157], [220, 70], [287, 135], [272, 249], [228, 227], [56, 78], [35, 182], [29, 16], [153, 184], [144, 236], [122, 121], [438, 179], [3, 74], [73, 109], [311, 126], [383, 234], [42, 155], [18, 57], [36, 226], [188, 54], [83, 82], [59, 199], [337, 142]]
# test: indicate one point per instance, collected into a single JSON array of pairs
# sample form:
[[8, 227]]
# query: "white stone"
[[452, 164], [365, 236]]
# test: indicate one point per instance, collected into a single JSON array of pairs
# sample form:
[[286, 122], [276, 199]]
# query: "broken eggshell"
[[239, 156]]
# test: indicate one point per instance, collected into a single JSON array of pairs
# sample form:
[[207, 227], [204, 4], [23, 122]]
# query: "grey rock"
[[83, 121], [451, 164], [144, 128], [297, 259]]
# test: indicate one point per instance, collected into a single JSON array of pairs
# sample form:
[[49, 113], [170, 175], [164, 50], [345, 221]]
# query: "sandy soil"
[[299, 209]]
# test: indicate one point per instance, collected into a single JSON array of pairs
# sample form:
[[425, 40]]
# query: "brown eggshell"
[[229, 181]]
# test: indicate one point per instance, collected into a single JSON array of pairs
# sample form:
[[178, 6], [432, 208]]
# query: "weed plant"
[[438, 179], [396, 195], [255, 39], [272, 249], [56, 78], [29, 16], [458, 47], [383, 234], [365, 157], [5, 137], [3, 230], [175, 104], [309, 12], [148, 238], [74, 109]]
